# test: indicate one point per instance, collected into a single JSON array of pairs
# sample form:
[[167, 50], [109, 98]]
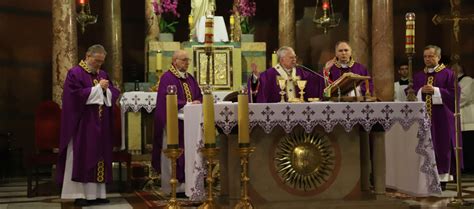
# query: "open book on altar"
[[345, 84]]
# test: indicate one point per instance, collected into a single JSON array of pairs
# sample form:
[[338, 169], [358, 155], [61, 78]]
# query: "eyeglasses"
[[185, 59]]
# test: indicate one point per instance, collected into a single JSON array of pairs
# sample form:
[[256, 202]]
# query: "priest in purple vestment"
[[188, 92], [264, 87], [85, 152], [435, 86], [343, 63]]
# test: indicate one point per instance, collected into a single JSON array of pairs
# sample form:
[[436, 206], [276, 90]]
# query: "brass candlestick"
[[410, 51], [210, 152], [245, 151], [173, 154]]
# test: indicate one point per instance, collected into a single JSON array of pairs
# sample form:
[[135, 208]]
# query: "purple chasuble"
[[268, 90], [91, 133], [168, 78], [357, 68], [442, 119]]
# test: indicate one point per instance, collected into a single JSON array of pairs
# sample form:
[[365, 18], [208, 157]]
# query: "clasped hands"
[[104, 84], [427, 89]]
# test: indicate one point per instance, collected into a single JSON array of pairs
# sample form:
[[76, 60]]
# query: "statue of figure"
[[201, 8]]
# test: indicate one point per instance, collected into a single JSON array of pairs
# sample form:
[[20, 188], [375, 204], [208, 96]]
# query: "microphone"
[[326, 80]]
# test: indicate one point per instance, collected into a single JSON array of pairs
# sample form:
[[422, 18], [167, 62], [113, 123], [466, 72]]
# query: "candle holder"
[[210, 152], [245, 151], [231, 23], [410, 52], [85, 16], [191, 25], [301, 85], [173, 153]]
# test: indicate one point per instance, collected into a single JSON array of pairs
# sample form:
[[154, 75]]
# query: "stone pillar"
[[113, 41], [152, 23], [382, 49], [64, 43], [152, 31], [378, 157], [359, 31], [286, 23], [365, 166]]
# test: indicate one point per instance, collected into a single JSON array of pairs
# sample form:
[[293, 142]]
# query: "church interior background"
[[26, 60]]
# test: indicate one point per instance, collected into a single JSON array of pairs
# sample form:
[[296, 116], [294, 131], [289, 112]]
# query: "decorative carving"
[[305, 161]]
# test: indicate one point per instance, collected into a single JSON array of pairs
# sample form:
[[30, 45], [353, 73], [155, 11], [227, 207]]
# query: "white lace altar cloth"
[[420, 173]]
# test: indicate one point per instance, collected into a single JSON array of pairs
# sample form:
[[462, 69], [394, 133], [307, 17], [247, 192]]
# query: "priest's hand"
[[255, 72], [330, 63], [104, 84], [196, 102], [427, 89]]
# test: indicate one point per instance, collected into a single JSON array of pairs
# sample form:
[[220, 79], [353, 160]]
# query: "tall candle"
[[190, 21], [172, 119], [159, 60], [274, 59], [208, 115], [243, 118], [209, 32], [410, 33]]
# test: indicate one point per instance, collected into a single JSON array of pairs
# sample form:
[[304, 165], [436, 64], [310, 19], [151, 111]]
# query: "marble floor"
[[13, 196]]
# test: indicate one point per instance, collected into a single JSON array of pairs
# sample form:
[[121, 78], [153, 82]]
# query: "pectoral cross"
[[456, 18]]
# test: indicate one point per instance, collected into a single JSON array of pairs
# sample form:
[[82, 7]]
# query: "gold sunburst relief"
[[304, 161]]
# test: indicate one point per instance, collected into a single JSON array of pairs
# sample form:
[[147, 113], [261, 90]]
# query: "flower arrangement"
[[246, 9], [167, 10]]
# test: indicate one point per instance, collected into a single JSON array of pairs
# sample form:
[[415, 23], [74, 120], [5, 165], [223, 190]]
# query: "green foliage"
[[167, 27], [246, 27]]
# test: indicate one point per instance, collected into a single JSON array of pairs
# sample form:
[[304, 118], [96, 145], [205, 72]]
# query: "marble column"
[[382, 49], [113, 41], [359, 31], [64, 43], [152, 23], [286, 23], [152, 30]]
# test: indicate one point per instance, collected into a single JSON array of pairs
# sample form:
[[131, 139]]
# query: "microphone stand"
[[326, 80]]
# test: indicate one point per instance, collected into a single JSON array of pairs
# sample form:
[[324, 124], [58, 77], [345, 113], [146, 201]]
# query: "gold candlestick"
[[210, 152], [173, 154], [245, 151], [191, 25], [410, 51], [231, 23]]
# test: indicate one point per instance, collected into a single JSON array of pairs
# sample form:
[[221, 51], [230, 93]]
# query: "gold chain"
[[187, 92], [100, 171], [429, 97]]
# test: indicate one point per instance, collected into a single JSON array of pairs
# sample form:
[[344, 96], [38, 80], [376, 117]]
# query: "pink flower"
[[247, 8], [165, 6]]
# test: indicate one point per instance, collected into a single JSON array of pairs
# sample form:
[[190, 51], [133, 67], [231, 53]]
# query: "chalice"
[[301, 85], [282, 84]]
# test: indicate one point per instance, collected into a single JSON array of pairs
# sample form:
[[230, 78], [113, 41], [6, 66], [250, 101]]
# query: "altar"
[[403, 159]]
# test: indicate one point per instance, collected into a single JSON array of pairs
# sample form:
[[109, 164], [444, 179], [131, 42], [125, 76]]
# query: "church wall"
[[25, 70]]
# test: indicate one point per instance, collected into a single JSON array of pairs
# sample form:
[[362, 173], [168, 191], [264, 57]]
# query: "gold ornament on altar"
[[282, 84], [85, 16], [301, 85], [305, 161]]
